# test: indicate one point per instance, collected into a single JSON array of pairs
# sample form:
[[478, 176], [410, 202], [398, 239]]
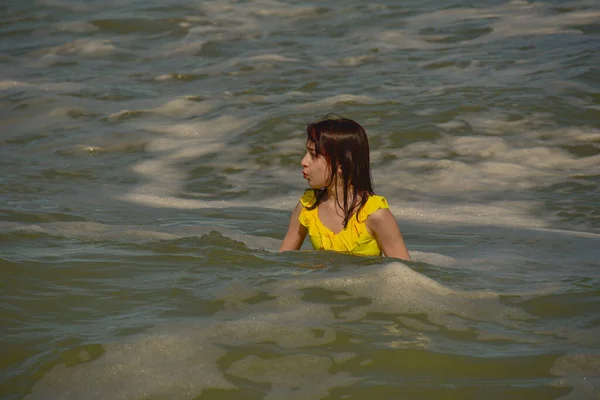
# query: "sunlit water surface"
[[150, 159]]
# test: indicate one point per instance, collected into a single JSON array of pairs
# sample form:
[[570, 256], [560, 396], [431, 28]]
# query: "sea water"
[[150, 161]]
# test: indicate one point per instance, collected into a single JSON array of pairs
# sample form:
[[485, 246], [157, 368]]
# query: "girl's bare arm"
[[296, 232], [384, 228]]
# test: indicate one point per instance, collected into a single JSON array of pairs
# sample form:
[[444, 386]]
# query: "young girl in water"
[[340, 211]]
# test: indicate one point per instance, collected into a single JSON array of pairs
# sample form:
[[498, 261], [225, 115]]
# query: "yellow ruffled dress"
[[354, 238]]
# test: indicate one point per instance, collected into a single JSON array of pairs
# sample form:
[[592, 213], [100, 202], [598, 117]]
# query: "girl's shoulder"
[[308, 214], [374, 203]]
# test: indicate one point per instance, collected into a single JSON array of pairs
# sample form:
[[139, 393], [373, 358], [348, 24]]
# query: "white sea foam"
[[183, 141], [298, 376], [69, 111], [165, 364], [247, 19], [276, 11], [272, 57], [182, 107], [287, 321], [489, 178], [75, 26], [516, 18], [61, 86], [98, 231], [7, 85], [121, 114], [396, 288], [433, 258], [418, 325], [425, 182], [43, 87], [431, 178], [185, 106], [209, 129], [188, 47], [570, 233], [329, 102], [181, 363], [580, 372], [180, 360], [540, 24], [352, 61], [68, 5], [175, 202], [82, 149], [390, 39], [82, 47]]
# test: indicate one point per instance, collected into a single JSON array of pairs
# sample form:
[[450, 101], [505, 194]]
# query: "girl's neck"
[[335, 194]]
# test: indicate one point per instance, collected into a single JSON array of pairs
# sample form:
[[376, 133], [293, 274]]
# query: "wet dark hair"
[[344, 144]]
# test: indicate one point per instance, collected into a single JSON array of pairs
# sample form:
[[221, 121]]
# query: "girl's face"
[[315, 168]]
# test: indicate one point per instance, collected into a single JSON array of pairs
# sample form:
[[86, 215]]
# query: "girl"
[[341, 212]]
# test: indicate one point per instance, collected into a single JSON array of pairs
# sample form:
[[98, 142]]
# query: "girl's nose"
[[303, 162]]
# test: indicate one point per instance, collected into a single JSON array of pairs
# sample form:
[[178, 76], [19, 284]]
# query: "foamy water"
[[150, 159]]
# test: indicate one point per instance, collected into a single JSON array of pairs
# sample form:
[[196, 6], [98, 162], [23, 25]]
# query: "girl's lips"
[[304, 175]]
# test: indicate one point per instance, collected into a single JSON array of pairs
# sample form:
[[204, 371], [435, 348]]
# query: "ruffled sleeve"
[[306, 200], [373, 204]]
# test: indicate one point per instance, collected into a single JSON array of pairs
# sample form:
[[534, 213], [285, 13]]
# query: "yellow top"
[[354, 238]]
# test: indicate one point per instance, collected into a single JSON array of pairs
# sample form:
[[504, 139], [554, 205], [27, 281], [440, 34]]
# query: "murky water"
[[150, 159]]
